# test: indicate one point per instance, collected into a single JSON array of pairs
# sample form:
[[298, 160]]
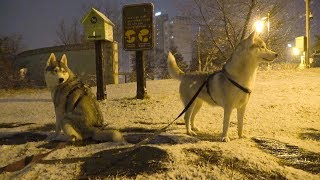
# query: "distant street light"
[[157, 13], [295, 51]]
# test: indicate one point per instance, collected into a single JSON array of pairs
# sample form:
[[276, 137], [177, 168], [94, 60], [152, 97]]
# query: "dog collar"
[[227, 75]]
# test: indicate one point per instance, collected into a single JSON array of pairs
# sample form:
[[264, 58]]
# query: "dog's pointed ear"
[[64, 60], [52, 58], [251, 36]]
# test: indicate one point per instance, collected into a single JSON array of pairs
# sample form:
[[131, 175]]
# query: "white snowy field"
[[282, 128]]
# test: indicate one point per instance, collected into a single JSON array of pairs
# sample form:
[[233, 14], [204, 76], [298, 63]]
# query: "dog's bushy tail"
[[107, 135], [174, 71]]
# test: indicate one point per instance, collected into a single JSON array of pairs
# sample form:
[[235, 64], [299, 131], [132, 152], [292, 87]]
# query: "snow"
[[284, 106]]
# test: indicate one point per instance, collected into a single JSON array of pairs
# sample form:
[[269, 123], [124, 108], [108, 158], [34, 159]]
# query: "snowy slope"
[[282, 128]]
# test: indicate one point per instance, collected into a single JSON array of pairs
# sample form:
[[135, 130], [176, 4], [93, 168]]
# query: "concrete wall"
[[81, 60]]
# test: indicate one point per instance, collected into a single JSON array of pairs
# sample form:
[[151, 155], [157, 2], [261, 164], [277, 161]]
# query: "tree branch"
[[245, 27], [225, 23], [210, 30]]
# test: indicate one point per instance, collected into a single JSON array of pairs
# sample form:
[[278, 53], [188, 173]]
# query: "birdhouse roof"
[[99, 14]]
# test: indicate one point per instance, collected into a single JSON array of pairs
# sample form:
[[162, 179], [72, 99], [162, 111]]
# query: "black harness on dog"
[[70, 88], [227, 75], [208, 85]]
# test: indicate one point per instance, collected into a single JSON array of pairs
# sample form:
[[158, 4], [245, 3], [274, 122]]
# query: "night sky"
[[37, 20]]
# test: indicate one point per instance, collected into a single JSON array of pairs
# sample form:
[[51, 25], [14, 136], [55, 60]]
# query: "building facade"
[[176, 31], [181, 36]]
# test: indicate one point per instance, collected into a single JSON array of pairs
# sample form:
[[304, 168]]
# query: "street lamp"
[[157, 13], [295, 51], [259, 24]]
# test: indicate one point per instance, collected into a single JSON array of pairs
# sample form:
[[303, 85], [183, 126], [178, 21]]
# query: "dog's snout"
[[61, 80], [276, 55]]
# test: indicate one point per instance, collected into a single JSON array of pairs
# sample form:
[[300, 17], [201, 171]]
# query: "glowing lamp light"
[[295, 51], [157, 13], [264, 18], [259, 26], [289, 45]]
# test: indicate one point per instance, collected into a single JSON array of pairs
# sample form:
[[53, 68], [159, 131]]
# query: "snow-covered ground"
[[282, 128]]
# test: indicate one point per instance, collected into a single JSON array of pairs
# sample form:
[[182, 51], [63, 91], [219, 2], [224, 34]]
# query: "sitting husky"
[[229, 88], [77, 111]]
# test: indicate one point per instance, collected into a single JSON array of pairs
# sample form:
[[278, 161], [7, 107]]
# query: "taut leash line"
[[158, 132], [29, 160]]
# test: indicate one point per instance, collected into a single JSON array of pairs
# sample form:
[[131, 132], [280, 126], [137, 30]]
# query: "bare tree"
[[149, 66], [221, 29], [316, 45], [9, 47], [224, 23], [69, 33]]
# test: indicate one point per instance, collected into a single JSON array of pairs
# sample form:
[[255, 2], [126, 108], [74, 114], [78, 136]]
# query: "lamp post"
[[259, 26], [295, 51], [307, 33], [268, 26]]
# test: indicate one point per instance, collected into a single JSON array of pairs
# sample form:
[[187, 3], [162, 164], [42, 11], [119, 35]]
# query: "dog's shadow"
[[14, 125], [22, 138], [14, 100], [18, 138], [310, 134], [115, 162], [131, 135]]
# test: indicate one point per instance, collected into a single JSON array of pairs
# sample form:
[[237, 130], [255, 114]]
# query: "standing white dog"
[[229, 88]]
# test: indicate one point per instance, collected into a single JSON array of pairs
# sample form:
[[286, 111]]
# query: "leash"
[[206, 82], [29, 160], [158, 132]]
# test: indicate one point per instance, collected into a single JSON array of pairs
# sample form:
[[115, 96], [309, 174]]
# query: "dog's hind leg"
[[197, 106], [240, 116], [187, 120], [226, 121]]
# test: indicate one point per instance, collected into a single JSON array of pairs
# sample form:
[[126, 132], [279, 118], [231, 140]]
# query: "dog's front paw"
[[191, 133], [195, 129], [73, 138], [242, 136], [225, 139]]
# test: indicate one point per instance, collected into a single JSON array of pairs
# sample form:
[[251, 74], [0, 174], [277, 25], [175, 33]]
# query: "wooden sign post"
[[138, 32], [141, 77], [100, 70]]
